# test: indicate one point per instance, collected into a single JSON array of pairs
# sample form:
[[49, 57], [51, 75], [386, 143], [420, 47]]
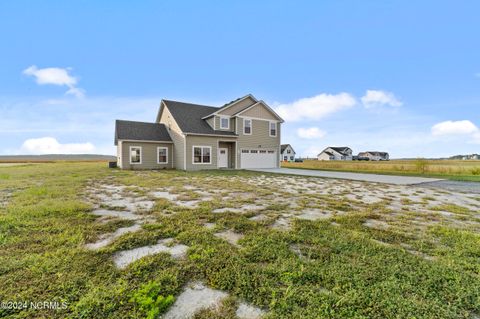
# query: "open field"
[[450, 169], [50, 158], [107, 243]]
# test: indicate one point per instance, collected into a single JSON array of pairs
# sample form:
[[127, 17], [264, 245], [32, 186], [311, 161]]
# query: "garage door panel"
[[258, 158]]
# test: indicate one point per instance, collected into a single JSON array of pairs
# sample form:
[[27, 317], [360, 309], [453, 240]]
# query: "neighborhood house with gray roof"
[[242, 134]]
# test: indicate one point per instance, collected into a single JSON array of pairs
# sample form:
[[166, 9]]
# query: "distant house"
[[287, 153], [374, 156], [471, 157], [335, 154]]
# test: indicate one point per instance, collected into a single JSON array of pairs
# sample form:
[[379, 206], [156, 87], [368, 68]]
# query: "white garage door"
[[256, 158]]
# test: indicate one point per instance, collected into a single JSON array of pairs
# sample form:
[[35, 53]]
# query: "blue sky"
[[398, 76]]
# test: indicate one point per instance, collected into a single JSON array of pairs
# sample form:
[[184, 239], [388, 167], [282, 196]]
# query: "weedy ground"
[[288, 246]]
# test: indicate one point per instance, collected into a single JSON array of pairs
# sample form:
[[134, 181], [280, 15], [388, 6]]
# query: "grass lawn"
[[294, 247], [448, 169]]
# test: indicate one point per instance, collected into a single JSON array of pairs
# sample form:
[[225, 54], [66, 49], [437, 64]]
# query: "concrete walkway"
[[375, 178]]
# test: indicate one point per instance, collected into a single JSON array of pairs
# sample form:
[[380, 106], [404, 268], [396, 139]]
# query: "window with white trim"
[[135, 155], [224, 123], [247, 126], [162, 155], [202, 155], [273, 129]]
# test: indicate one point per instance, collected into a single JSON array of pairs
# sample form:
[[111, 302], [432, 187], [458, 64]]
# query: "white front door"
[[223, 157]]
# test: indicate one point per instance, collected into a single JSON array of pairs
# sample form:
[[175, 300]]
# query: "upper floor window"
[[273, 129], [288, 151], [224, 123], [135, 155], [247, 126]]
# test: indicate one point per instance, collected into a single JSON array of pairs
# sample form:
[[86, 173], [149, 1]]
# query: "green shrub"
[[476, 171], [150, 301]]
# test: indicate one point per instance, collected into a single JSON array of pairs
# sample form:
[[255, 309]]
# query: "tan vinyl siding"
[[177, 138], [149, 155], [211, 141], [259, 138], [211, 122], [217, 124], [259, 111], [178, 150], [237, 107], [119, 154], [168, 120]]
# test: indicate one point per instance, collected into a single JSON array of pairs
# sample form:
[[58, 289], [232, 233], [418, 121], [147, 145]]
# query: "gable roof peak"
[[239, 99], [265, 105], [284, 146], [230, 104]]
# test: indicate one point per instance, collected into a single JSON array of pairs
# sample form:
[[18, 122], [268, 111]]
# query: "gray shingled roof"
[[376, 153], [341, 150], [140, 131], [189, 117]]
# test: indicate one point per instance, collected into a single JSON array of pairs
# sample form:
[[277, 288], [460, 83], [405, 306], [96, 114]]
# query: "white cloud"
[[374, 98], [77, 92], [49, 145], [464, 127], [310, 133], [315, 108], [56, 76]]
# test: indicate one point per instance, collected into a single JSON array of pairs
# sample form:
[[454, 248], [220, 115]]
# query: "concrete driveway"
[[375, 178]]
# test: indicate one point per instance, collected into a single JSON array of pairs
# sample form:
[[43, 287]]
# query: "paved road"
[[388, 179], [457, 186]]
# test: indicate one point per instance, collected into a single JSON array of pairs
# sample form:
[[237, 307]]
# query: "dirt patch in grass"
[[194, 298], [124, 258], [230, 236]]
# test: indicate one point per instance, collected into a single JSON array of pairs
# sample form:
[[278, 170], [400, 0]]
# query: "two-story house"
[[287, 153], [242, 134], [333, 153]]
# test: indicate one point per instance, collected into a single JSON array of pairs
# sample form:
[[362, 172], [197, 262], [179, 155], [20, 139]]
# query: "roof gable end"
[[246, 100], [261, 103]]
